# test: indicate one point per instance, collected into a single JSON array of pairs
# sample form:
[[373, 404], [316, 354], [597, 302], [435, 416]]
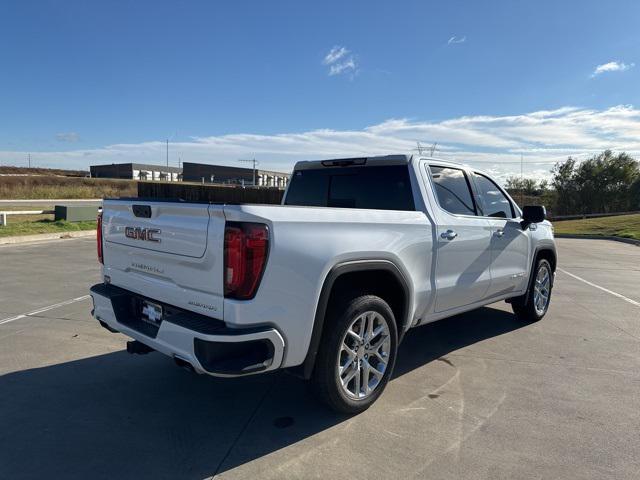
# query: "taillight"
[[99, 238], [246, 246]]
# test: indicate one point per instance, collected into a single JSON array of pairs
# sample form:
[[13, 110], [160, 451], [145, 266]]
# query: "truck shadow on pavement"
[[118, 416]]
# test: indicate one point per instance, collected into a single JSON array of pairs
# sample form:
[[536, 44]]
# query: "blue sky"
[[91, 82]]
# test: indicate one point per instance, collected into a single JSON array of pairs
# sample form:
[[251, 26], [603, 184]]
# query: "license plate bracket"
[[151, 312]]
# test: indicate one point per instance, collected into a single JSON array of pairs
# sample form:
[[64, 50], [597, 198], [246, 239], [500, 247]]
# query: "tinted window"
[[452, 189], [383, 188], [309, 188], [492, 201]]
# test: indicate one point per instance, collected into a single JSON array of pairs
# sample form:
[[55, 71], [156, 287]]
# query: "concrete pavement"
[[479, 395]]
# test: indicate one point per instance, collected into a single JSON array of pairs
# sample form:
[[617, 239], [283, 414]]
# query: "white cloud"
[[71, 137], [493, 143], [455, 39], [343, 67], [335, 54], [340, 60], [612, 67]]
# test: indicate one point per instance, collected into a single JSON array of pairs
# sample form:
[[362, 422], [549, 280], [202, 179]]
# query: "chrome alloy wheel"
[[542, 290], [364, 355]]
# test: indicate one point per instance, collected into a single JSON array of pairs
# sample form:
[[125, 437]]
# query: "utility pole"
[[433, 148], [254, 162], [29, 159], [167, 152], [521, 180]]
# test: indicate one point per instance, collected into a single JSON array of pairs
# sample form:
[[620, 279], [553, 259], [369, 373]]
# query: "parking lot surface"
[[479, 395]]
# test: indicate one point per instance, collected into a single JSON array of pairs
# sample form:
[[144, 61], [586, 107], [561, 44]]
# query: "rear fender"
[[306, 369]]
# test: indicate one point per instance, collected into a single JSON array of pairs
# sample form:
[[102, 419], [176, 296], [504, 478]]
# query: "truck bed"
[[185, 268]]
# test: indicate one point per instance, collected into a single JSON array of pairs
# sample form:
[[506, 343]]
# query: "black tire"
[[524, 307], [325, 378]]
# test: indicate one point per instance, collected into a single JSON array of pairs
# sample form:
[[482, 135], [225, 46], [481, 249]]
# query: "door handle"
[[448, 235], [499, 232]]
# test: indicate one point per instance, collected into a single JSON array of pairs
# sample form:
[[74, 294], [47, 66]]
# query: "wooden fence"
[[191, 192]]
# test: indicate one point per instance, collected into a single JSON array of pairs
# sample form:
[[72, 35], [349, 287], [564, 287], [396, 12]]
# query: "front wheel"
[[533, 306], [357, 354]]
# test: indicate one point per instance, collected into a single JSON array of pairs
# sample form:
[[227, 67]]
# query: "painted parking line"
[[44, 309], [610, 292]]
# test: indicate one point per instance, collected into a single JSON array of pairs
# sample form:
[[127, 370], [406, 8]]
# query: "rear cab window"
[[384, 187]]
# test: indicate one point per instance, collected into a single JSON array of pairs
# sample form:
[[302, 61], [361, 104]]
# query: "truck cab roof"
[[378, 160]]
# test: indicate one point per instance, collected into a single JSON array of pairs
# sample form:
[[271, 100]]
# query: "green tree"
[[635, 195], [601, 184], [564, 184], [527, 186], [543, 186]]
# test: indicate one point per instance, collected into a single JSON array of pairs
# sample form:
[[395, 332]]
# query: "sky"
[[90, 82]]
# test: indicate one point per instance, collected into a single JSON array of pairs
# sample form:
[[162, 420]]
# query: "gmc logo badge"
[[146, 234]]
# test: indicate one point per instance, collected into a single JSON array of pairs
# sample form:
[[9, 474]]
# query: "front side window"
[[453, 190], [492, 201]]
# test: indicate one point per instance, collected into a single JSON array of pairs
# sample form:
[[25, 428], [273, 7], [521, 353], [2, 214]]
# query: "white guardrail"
[[4, 215]]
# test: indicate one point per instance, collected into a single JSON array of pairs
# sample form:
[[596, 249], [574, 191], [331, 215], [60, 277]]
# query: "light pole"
[[254, 162]]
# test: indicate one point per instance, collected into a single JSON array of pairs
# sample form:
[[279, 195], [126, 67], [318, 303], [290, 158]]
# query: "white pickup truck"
[[326, 284]]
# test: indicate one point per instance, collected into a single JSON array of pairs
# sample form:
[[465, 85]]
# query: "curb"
[[630, 241], [22, 201], [46, 236]]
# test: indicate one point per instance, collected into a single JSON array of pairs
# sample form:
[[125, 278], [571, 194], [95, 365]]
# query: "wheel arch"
[[548, 253], [396, 292]]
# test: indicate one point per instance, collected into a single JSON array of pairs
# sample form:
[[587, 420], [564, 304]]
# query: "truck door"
[[463, 252], [509, 242]]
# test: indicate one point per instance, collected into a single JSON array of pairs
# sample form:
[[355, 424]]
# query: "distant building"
[[137, 171], [202, 172]]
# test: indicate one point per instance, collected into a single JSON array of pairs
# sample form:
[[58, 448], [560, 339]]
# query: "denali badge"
[[147, 234], [202, 305], [147, 268]]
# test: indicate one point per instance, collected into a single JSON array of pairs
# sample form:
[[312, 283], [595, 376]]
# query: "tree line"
[[605, 183]]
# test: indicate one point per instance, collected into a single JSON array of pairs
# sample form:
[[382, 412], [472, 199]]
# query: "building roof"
[[231, 168], [141, 166]]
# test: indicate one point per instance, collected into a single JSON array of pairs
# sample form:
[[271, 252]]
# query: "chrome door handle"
[[499, 232], [448, 235]]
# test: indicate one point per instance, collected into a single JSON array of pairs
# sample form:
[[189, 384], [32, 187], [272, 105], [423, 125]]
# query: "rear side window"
[[382, 188], [453, 190], [492, 201]]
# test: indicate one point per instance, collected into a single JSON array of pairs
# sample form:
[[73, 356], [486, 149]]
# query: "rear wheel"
[[357, 354], [534, 305]]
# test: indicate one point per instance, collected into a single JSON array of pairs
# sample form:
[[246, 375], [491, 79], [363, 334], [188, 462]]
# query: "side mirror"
[[533, 214]]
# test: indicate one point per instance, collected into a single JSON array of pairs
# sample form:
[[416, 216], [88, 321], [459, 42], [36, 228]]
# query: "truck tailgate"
[[174, 250]]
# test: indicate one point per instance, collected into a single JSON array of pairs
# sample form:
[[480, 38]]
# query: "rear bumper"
[[205, 343]]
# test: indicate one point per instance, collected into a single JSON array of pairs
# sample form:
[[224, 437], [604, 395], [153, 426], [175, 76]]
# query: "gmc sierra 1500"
[[326, 284]]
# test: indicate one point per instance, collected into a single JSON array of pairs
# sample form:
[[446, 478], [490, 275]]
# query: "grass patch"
[[44, 226], [30, 187], [627, 226]]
